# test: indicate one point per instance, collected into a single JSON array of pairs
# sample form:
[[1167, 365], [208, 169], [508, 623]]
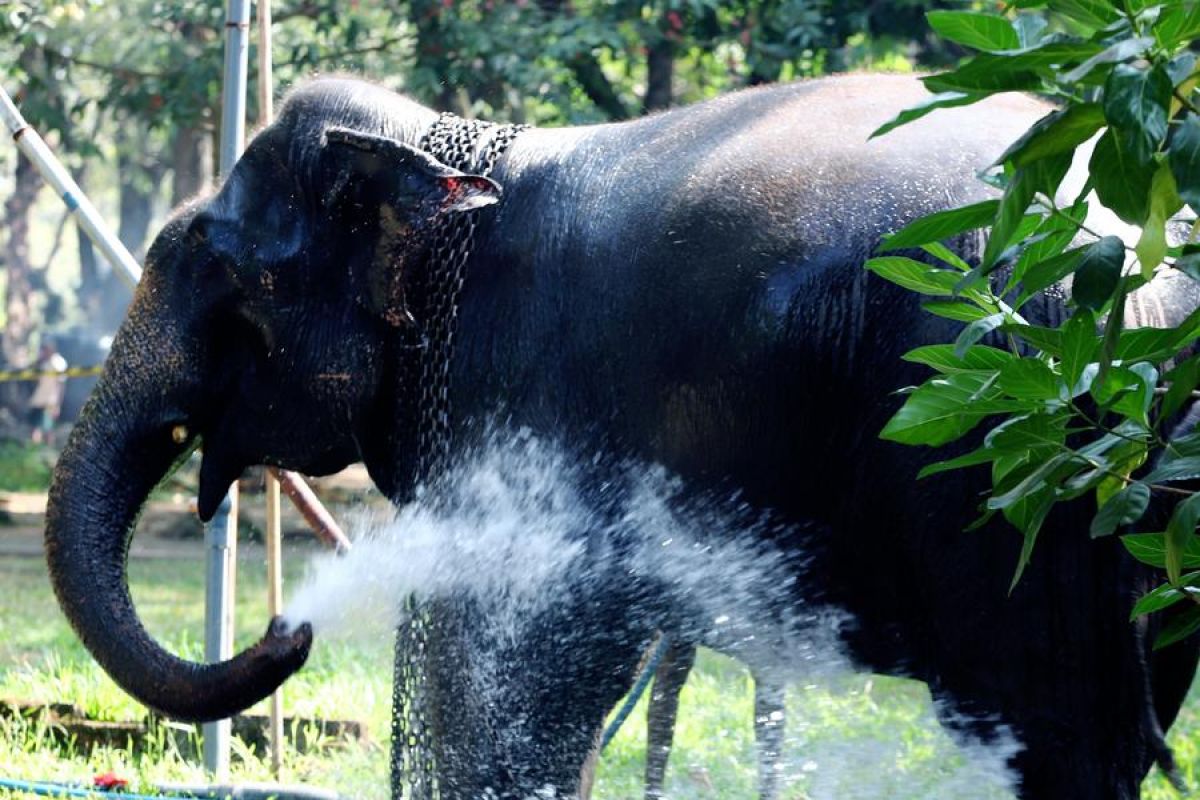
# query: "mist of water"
[[520, 523]]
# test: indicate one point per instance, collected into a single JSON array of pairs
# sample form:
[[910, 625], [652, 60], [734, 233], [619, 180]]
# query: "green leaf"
[[1035, 482], [1034, 435], [1136, 404], [1183, 447], [1010, 214], [989, 32], [1096, 13], [1147, 344], [914, 275], [971, 459], [976, 331], [1183, 380], [1151, 549], [1028, 379], [1181, 531], [1138, 102], [1121, 50], [1184, 158], [1049, 272], [1178, 628], [943, 358], [1164, 202], [958, 310], [1056, 133], [942, 100], [1189, 265], [1099, 273], [946, 255], [944, 408], [1124, 508], [1011, 71], [1179, 22], [1164, 596], [1078, 344], [1048, 340], [941, 226], [1180, 68], [1051, 237], [1028, 516], [1121, 177], [1169, 470], [1030, 27]]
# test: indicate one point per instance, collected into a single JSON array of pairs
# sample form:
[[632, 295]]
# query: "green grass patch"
[[25, 467], [858, 736]]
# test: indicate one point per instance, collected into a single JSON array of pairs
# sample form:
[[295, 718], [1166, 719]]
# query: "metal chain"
[[474, 147], [460, 144]]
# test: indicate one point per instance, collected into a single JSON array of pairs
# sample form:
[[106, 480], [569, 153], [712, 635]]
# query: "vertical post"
[[266, 111], [221, 534], [275, 606], [220, 539], [266, 76]]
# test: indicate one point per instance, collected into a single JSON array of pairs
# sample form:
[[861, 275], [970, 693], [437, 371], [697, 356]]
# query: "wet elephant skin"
[[684, 290]]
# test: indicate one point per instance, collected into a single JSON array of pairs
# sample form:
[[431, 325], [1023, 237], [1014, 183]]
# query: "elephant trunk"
[[121, 448]]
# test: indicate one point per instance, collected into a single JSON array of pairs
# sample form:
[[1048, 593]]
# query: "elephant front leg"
[[769, 719], [669, 678]]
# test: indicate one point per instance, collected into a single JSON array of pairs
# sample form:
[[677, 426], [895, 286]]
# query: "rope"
[[34, 374], [635, 694]]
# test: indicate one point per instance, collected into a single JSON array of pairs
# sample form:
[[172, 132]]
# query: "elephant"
[[684, 290]]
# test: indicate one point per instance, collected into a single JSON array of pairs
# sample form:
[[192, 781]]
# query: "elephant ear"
[[256, 217], [401, 176], [268, 210]]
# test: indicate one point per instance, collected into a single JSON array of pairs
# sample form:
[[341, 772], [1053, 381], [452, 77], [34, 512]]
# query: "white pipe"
[[53, 172], [266, 112], [221, 533]]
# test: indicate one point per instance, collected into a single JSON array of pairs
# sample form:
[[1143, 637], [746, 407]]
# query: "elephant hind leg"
[[769, 730], [669, 678]]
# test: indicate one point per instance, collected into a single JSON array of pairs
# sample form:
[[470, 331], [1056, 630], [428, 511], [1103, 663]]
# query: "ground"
[[859, 737]]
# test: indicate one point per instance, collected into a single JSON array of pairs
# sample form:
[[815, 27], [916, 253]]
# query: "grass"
[[25, 467], [853, 737]]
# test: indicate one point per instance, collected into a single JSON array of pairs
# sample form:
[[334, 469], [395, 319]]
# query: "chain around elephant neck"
[[471, 146]]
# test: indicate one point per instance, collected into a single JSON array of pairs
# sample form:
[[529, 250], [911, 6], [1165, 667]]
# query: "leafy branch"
[[1088, 407]]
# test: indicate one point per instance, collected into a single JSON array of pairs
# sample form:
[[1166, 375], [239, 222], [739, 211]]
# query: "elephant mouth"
[[224, 459]]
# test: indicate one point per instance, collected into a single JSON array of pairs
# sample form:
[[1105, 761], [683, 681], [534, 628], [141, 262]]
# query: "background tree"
[[127, 91]]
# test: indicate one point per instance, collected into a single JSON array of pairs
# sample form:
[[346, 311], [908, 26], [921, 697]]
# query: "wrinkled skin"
[[684, 290]]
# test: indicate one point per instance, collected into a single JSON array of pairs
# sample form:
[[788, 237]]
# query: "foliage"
[[1085, 407]]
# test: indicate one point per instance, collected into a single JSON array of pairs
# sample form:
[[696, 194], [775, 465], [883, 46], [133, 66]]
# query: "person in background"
[[47, 397]]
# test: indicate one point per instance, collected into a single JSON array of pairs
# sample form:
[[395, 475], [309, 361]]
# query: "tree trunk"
[[18, 301], [660, 71], [191, 162]]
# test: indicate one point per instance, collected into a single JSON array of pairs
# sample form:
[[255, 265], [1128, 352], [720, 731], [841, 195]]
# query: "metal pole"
[[221, 533], [220, 539], [53, 172], [266, 112]]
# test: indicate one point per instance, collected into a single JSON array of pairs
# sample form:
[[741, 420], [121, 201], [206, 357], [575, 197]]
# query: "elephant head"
[[268, 325]]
